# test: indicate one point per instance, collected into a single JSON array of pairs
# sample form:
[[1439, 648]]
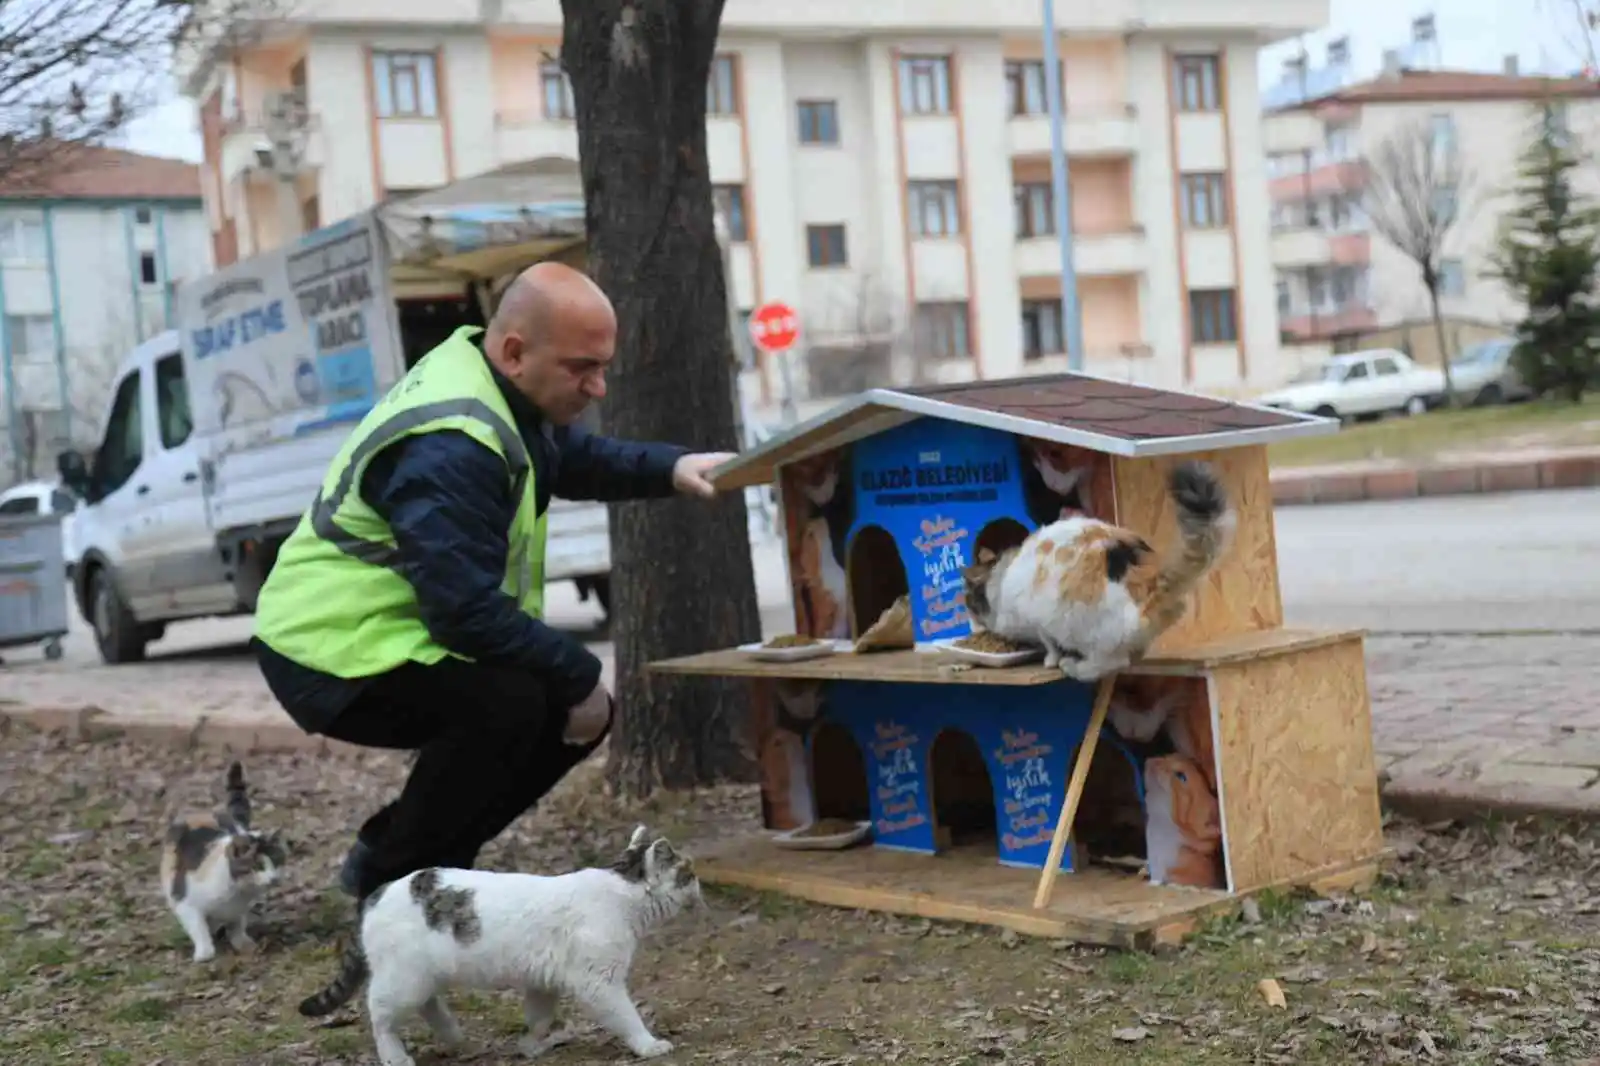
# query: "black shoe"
[[354, 861]]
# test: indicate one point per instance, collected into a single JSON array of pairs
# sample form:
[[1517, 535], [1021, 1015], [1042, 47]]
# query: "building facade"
[[88, 263], [1337, 274], [884, 171]]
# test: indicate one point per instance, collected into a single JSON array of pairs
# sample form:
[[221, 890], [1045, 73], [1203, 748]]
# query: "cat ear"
[[637, 840]]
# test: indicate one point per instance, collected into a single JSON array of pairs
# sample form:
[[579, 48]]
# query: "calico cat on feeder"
[[1096, 595]]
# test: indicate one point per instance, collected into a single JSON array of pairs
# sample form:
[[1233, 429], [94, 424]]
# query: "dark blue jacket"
[[448, 501]]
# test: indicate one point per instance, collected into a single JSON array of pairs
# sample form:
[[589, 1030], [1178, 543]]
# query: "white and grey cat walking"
[[214, 869], [571, 934]]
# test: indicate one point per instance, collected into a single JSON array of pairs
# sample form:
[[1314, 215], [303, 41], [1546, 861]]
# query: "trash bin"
[[33, 594]]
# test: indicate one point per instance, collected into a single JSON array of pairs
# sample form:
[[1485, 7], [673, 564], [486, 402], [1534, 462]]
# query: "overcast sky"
[[1474, 35]]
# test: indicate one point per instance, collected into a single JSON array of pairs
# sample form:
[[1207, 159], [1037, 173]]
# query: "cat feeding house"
[[1237, 755]]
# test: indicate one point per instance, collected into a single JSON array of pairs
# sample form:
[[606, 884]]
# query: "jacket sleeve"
[[592, 467], [447, 500]]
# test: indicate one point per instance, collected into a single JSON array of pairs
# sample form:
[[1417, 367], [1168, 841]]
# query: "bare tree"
[[1414, 191], [857, 347], [684, 578], [74, 72]]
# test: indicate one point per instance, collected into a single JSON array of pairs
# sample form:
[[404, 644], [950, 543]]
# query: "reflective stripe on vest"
[[323, 510]]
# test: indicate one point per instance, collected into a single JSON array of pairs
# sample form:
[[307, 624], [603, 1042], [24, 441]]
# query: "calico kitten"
[[1183, 824], [573, 934], [1096, 595], [214, 868]]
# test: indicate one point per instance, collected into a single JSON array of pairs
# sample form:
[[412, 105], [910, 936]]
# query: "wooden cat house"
[[1239, 751]]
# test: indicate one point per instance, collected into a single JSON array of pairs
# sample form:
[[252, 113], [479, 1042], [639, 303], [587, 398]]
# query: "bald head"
[[553, 336]]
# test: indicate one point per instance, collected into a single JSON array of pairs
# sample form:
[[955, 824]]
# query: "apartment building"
[[87, 269], [1336, 275], [883, 167]]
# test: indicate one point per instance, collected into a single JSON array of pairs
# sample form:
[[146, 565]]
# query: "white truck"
[[218, 433]]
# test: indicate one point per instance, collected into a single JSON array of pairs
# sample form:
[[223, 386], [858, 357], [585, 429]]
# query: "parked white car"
[[1361, 385], [1483, 373], [46, 497]]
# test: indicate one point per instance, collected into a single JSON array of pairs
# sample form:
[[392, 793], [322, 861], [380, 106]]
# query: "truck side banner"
[[290, 335]]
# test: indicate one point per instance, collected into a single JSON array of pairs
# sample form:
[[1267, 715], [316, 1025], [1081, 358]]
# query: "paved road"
[[1519, 561], [1462, 705]]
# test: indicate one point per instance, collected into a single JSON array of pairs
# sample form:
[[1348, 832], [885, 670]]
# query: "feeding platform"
[[1258, 735]]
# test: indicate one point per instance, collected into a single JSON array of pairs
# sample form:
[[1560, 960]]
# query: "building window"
[[556, 88], [22, 237], [1349, 286], [935, 208], [1212, 316], [1025, 87], [1205, 200], [1196, 83], [1041, 329], [1445, 203], [1442, 135], [141, 215], [147, 269], [1452, 278], [729, 202], [1036, 209], [943, 330], [722, 96], [819, 121], [1285, 302], [825, 246], [404, 84], [1339, 143], [30, 336], [925, 85]]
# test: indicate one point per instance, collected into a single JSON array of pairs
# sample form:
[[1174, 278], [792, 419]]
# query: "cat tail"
[[238, 798], [352, 973], [1206, 522]]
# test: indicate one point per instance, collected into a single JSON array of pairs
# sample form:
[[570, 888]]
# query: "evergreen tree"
[[1549, 257]]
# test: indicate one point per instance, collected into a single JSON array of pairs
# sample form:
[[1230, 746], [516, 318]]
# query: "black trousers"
[[488, 748]]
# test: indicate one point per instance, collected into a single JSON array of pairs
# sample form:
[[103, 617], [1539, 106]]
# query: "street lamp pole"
[[1071, 316]]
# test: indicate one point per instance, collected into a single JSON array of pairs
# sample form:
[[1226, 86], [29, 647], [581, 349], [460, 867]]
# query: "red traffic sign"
[[774, 327]]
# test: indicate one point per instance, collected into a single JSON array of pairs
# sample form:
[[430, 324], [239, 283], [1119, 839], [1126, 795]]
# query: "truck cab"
[[147, 554]]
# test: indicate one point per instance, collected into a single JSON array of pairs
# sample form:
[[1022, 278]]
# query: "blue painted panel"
[[1027, 737], [933, 485]]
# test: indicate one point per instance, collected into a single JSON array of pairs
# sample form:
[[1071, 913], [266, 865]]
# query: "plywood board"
[[1096, 906], [965, 884], [1298, 778], [927, 667], [1241, 593]]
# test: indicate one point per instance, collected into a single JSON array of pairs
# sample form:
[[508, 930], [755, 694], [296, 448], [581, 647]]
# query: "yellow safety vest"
[[334, 600]]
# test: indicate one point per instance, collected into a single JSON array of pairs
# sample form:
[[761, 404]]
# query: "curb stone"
[[1437, 799], [183, 732], [1309, 486], [1427, 799]]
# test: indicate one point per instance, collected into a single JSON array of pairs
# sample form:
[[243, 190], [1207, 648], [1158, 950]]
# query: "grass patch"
[[1538, 423], [1483, 947]]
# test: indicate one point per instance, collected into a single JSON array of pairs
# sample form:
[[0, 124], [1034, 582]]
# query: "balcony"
[[1101, 254], [248, 139], [1300, 247], [1101, 132], [523, 135], [1350, 249], [1324, 179], [1351, 318], [1291, 131]]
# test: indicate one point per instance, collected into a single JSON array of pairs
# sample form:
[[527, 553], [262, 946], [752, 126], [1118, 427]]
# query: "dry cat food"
[[826, 827], [988, 644], [790, 640]]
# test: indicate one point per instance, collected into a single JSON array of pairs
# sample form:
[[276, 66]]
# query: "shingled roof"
[[92, 172], [1440, 86], [1103, 415]]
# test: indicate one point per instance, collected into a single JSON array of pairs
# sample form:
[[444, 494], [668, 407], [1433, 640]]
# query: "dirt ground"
[[1480, 946]]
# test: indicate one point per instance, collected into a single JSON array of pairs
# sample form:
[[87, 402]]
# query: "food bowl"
[[792, 649], [985, 657], [827, 834]]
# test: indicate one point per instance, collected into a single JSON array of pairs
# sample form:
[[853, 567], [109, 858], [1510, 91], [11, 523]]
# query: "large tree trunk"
[[682, 575]]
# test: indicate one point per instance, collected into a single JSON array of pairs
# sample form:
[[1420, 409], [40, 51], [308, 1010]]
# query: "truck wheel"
[[116, 632]]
